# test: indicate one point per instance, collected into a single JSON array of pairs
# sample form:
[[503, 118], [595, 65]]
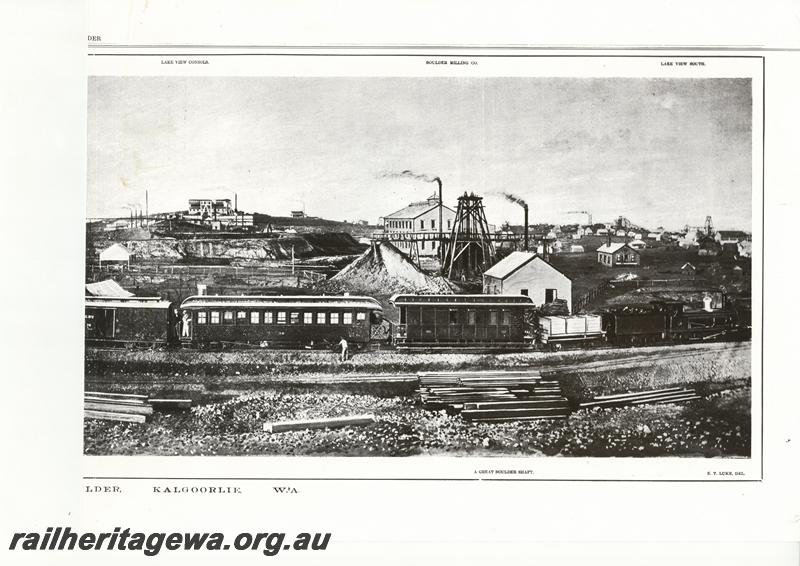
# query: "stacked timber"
[[493, 396], [116, 407], [126, 407], [652, 397]]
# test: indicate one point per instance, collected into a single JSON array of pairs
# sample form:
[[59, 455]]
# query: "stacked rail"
[[125, 407], [493, 396], [652, 397]]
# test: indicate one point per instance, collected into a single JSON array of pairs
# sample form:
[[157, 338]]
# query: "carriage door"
[[100, 323], [504, 324]]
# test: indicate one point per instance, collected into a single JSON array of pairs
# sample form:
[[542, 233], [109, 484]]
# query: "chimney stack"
[[526, 227]]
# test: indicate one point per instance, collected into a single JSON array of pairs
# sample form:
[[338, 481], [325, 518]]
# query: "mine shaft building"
[[420, 217], [618, 255], [523, 273]]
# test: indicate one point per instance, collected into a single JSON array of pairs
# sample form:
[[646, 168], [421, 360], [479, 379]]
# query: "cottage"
[[618, 254], [689, 269], [523, 273], [637, 244]]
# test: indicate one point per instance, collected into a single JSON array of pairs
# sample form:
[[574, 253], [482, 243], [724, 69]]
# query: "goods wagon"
[[493, 322], [129, 321], [278, 321], [557, 331]]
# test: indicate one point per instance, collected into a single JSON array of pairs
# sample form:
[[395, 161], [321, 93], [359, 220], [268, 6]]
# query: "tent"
[[115, 252]]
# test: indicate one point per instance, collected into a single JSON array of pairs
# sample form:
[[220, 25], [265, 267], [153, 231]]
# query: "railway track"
[[320, 378]]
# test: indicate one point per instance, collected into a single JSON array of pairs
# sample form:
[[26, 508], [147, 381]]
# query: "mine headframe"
[[469, 250]]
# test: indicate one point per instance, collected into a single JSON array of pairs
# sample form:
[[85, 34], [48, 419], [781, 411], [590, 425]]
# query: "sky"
[[661, 152]]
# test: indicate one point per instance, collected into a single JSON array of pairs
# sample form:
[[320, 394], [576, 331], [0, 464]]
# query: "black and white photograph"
[[410, 283], [422, 266]]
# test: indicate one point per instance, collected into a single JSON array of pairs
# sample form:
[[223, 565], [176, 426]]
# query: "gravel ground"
[[718, 425], [232, 408]]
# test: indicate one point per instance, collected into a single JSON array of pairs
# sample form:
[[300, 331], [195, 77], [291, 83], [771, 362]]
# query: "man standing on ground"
[[343, 346]]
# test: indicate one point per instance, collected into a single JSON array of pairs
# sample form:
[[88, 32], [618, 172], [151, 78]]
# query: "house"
[[602, 231], [115, 253], [420, 217], [587, 231], [732, 236], [576, 249], [524, 273], [654, 236], [637, 244], [620, 233], [618, 254], [689, 269]]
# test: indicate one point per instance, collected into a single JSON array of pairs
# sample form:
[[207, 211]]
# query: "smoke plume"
[[515, 199], [407, 174]]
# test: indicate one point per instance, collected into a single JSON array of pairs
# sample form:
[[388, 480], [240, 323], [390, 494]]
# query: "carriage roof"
[[279, 301], [463, 300]]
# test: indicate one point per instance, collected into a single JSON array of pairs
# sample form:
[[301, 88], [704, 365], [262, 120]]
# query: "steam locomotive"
[[425, 323]]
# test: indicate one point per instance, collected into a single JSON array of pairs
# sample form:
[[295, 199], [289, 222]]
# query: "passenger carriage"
[[125, 321], [278, 321], [483, 322]]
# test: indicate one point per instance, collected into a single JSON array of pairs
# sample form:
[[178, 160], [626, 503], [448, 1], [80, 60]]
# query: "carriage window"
[[268, 317], [241, 316], [281, 318], [402, 315], [334, 318], [505, 317], [201, 317], [308, 317], [453, 316], [294, 318], [320, 318], [471, 317], [492, 317], [361, 316], [227, 317], [347, 318], [214, 317], [254, 317]]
